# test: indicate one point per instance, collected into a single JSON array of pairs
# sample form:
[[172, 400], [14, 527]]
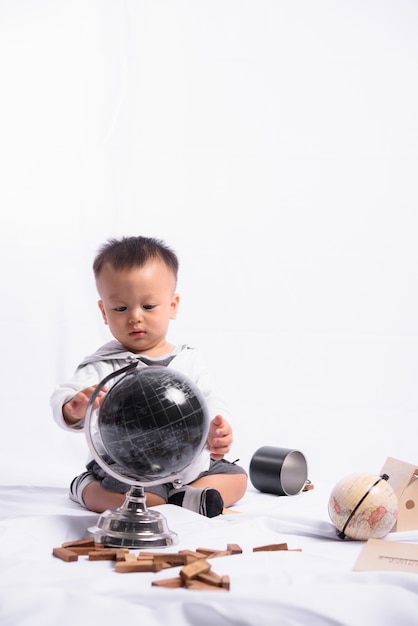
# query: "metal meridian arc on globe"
[[151, 425]]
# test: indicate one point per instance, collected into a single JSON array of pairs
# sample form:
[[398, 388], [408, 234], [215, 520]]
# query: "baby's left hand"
[[219, 437]]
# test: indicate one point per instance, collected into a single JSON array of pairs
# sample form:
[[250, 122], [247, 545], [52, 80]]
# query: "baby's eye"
[[149, 307], [121, 309]]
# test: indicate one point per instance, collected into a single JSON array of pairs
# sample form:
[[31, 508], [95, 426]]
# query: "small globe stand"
[[133, 525]]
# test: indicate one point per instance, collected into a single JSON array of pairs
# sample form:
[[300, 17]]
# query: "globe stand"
[[149, 427], [133, 525]]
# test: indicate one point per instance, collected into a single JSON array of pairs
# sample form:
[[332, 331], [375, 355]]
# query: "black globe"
[[152, 423]]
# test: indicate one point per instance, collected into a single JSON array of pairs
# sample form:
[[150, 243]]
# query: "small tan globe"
[[363, 506]]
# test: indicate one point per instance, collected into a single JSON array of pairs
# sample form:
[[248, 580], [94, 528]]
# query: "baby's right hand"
[[75, 409]]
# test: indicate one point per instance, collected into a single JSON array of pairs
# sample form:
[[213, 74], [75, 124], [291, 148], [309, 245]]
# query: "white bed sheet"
[[316, 586]]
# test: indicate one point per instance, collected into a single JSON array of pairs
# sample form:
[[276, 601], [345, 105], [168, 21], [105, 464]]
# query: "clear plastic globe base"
[[151, 425], [133, 525]]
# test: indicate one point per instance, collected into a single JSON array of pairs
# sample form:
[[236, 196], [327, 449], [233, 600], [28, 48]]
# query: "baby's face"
[[138, 304]]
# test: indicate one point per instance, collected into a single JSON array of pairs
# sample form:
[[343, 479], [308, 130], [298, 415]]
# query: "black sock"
[[206, 501]]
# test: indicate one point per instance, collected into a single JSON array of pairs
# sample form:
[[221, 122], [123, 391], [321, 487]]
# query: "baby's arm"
[[219, 437], [75, 409]]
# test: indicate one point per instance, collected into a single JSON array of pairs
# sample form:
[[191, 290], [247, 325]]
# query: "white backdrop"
[[273, 145]]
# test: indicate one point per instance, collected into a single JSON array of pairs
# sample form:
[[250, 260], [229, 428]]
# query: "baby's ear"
[[174, 307], [101, 307]]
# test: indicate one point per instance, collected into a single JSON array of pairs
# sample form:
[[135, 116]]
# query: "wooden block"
[[129, 556], [172, 583], [210, 578], [199, 585], [147, 564], [89, 541], [234, 548], [272, 547], [174, 559], [192, 555], [193, 569], [124, 567], [207, 552], [81, 550], [219, 553], [226, 583], [107, 554], [147, 555], [65, 554]]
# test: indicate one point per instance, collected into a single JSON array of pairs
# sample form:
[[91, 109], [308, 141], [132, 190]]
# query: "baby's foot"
[[206, 501]]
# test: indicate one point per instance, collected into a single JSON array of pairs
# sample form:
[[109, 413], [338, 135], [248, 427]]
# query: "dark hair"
[[129, 252]]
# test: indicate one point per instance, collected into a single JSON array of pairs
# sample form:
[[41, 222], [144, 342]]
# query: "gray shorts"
[[95, 473]]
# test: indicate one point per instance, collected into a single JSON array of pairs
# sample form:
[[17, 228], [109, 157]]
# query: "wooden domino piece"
[[210, 578], [192, 555], [81, 550], [234, 548], [219, 553], [65, 554], [206, 552], [171, 583], [87, 542], [271, 547], [106, 554], [201, 586], [173, 559], [139, 565], [226, 583], [193, 569]]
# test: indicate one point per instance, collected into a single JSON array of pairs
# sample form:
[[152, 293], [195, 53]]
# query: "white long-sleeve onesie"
[[112, 357]]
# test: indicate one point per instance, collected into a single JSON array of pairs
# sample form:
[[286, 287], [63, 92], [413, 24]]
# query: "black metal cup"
[[281, 471]]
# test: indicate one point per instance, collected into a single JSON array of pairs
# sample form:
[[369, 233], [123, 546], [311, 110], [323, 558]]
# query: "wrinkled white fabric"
[[315, 586]]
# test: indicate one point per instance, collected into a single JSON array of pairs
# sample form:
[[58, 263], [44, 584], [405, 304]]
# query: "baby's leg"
[[221, 486], [87, 491], [97, 499]]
